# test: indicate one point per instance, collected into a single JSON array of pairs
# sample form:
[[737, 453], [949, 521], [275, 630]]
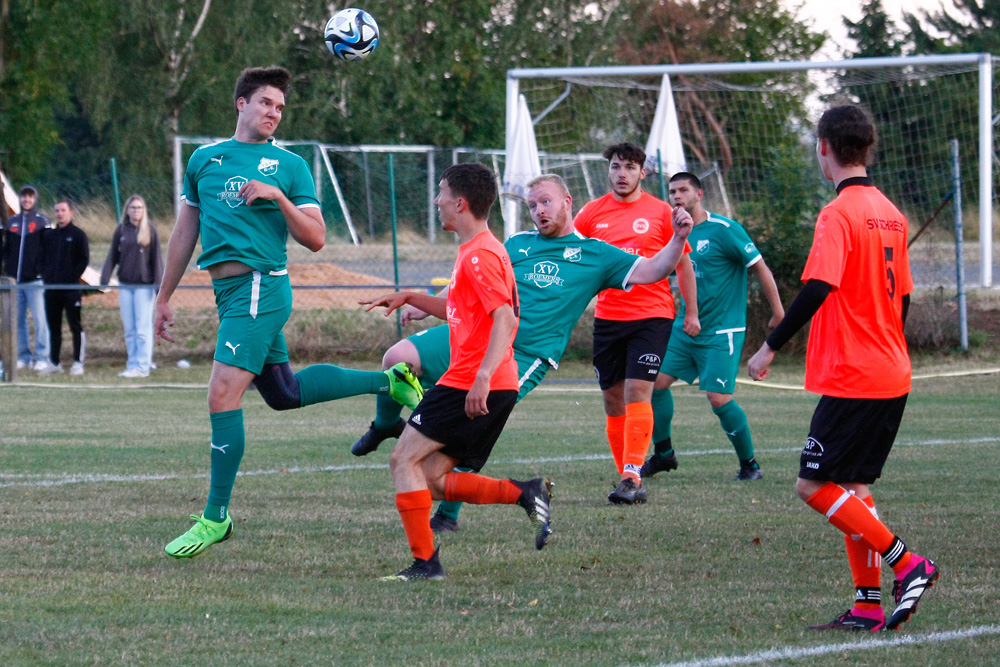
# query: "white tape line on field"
[[62, 479], [801, 653]]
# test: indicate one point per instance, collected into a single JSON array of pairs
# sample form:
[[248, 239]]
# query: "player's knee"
[[718, 400], [402, 352], [279, 387]]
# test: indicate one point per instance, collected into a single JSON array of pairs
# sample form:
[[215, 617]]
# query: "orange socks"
[[850, 515], [866, 567], [616, 438], [468, 487], [415, 511], [638, 432]]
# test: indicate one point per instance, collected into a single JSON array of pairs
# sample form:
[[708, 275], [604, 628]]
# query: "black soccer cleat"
[[443, 524], [855, 620], [749, 472], [535, 496], [421, 570], [657, 463], [374, 437], [908, 590], [628, 492]]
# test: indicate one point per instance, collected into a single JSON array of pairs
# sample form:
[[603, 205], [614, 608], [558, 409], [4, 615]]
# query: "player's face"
[[64, 214], [261, 113], [624, 175], [550, 209], [448, 205], [683, 193]]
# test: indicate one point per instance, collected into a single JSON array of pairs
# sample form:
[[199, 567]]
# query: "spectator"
[[135, 250], [66, 252], [21, 255]]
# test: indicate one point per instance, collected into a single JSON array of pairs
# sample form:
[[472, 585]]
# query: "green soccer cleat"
[[404, 387], [200, 536]]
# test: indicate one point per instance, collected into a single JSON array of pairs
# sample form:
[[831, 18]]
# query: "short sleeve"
[[189, 191], [831, 244], [302, 190], [489, 281]]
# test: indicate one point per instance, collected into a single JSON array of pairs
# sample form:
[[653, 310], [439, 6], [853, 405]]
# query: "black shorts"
[[441, 417], [850, 438], [630, 350]]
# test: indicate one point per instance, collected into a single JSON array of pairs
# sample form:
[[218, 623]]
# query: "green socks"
[[323, 382], [734, 423], [387, 412], [228, 442], [663, 414]]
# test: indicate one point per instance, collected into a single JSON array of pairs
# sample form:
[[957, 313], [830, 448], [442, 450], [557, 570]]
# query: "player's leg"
[[850, 439], [719, 362], [609, 365], [530, 372], [678, 362]]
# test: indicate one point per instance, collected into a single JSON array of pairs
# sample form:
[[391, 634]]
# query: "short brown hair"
[[627, 151], [253, 79], [850, 132], [474, 182]]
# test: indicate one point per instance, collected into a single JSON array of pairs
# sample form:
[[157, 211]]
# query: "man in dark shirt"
[[66, 253], [21, 243]]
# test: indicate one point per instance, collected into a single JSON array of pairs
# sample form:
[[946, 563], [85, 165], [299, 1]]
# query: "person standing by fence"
[[65, 255], [135, 250]]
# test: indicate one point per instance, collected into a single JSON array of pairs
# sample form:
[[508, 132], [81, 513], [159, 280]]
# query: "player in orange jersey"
[[461, 417], [857, 291], [631, 329]]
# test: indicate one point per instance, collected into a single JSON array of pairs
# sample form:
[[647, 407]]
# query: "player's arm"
[[412, 313], [180, 247], [662, 264], [504, 324], [432, 305], [689, 290], [770, 288], [304, 224], [801, 311]]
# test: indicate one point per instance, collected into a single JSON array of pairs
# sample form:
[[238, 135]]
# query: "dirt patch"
[[301, 275]]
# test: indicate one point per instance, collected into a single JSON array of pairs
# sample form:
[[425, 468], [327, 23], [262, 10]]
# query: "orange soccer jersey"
[[856, 344], [483, 281], [641, 228]]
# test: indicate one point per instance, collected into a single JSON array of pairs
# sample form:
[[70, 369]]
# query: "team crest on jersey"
[[573, 254], [268, 167], [231, 195], [750, 247], [545, 274], [640, 226], [702, 246]]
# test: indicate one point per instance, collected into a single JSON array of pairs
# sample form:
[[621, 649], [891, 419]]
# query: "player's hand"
[[253, 190], [164, 319], [682, 222], [692, 325], [411, 314], [390, 302], [759, 362], [475, 400]]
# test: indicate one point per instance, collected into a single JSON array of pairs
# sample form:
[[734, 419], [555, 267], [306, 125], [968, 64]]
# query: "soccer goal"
[[748, 130]]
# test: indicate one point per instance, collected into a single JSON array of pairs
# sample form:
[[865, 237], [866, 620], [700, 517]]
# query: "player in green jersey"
[[558, 272], [243, 197], [722, 254]]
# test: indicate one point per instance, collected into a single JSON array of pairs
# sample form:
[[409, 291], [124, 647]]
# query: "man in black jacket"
[[66, 253], [21, 255]]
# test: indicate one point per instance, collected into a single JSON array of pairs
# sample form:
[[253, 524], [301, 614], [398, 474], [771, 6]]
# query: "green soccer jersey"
[[556, 280], [230, 230], [721, 253]]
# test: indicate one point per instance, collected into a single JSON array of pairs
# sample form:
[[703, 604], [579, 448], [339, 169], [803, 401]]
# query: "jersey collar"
[[857, 180]]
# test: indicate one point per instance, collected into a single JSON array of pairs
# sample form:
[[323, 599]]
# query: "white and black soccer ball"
[[351, 34]]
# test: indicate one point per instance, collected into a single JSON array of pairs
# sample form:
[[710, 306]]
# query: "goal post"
[[748, 123]]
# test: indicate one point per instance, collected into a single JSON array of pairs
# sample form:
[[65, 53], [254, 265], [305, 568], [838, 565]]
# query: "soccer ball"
[[351, 34]]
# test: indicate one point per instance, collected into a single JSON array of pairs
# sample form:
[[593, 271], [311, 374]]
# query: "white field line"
[[804, 652], [62, 479]]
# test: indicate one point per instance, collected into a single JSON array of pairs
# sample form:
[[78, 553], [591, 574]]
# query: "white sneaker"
[[133, 373], [21, 365], [47, 368], [76, 368]]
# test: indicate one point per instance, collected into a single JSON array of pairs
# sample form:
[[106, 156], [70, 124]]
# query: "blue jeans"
[[31, 296], [136, 303]]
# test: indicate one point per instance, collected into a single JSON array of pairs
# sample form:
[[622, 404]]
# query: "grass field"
[[97, 476]]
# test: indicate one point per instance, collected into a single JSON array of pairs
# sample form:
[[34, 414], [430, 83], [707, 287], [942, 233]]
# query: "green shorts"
[[712, 359], [253, 308], [435, 352]]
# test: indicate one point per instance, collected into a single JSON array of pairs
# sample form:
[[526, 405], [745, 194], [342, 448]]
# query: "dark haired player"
[[631, 329], [857, 292], [244, 196], [461, 417]]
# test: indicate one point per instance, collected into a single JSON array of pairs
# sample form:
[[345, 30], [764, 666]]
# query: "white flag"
[[522, 162], [665, 135]]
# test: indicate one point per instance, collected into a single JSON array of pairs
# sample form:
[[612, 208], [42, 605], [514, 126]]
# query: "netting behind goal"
[[750, 135]]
